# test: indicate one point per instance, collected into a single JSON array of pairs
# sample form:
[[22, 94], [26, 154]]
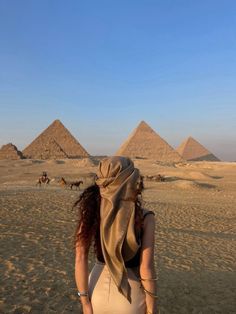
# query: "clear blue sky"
[[102, 66]]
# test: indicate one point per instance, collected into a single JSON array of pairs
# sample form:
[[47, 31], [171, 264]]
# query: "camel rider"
[[44, 176]]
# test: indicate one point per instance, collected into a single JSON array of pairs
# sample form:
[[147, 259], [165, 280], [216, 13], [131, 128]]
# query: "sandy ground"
[[195, 236]]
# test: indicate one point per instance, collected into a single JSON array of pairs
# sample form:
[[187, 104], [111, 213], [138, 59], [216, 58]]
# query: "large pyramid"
[[10, 151], [144, 142], [53, 143], [191, 149]]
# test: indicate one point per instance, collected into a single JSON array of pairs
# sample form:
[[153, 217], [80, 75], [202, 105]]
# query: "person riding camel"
[[44, 176]]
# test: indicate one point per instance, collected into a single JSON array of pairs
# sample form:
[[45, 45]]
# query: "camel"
[[157, 178], [65, 183], [160, 178]]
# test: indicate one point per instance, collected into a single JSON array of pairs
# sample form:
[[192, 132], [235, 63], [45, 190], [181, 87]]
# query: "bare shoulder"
[[148, 215], [148, 239], [149, 218], [149, 223], [148, 228]]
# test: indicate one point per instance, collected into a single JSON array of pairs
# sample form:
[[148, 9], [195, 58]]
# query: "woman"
[[123, 280]]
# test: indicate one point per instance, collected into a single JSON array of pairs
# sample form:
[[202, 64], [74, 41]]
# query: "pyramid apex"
[[191, 138], [57, 122], [142, 122], [143, 126]]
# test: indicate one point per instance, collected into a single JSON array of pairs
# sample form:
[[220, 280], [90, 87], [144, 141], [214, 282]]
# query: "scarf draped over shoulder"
[[117, 180]]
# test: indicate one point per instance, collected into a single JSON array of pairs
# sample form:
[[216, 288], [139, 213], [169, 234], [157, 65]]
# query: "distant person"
[[43, 179], [123, 279], [44, 176]]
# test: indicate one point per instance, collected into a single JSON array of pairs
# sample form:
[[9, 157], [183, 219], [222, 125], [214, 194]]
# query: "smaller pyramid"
[[10, 151], [144, 142], [51, 150], [55, 142], [192, 150]]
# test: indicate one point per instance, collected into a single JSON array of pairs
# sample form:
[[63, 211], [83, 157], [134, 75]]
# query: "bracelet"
[[155, 296], [82, 294], [150, 279]]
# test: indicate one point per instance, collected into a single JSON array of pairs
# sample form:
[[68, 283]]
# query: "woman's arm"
[[147, 267], [81, 276]]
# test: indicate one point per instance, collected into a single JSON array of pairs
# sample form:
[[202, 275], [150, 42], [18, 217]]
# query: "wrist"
[[151, 312], [84, 300], [84, 297]]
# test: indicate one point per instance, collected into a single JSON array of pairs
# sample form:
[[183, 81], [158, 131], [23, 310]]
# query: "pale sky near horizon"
[[103, 66]]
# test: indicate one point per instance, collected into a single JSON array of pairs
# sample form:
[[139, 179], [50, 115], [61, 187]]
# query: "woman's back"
[[103, 290], [124, 240], [135, 261]]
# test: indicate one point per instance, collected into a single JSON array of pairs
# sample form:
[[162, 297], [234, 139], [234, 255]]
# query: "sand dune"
[[184, 184], [199, 175]]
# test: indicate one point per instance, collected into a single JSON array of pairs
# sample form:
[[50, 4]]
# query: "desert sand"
[[195, 235]]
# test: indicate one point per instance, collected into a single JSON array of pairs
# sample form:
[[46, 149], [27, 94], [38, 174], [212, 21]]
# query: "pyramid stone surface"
[[50, 150], [10, 151], [192, 150], [55, 142], [144, 142]]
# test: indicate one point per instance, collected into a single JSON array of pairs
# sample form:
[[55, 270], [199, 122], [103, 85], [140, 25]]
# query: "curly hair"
[[88, 226], [88, 206]]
